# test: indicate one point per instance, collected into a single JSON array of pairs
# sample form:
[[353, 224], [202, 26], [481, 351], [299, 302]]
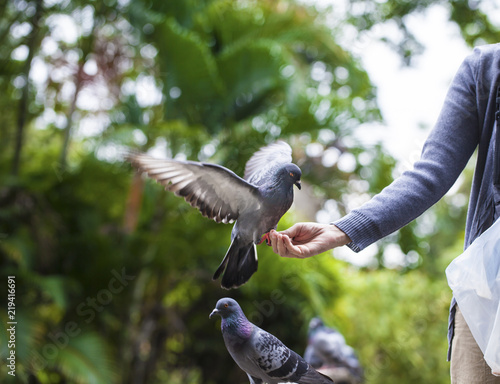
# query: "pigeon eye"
[[226, 305], [291, 174]]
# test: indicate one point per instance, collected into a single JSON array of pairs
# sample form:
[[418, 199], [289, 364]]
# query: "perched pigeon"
[[262, 356], [256, 202], [327, 349]]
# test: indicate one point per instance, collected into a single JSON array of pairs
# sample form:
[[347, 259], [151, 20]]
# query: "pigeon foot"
[[266, 238]]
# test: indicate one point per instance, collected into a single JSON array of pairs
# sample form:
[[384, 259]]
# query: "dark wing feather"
[[266, 160], [272, 354], [314, 377], [216, 191]]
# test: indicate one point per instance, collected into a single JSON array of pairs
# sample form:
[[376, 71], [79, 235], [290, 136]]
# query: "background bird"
[[256, 202], [327, 351], [263, 357]]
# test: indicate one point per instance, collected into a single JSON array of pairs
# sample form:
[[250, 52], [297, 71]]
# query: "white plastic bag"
[[474, 277]]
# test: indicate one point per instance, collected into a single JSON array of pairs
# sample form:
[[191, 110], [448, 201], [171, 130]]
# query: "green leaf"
[[56, 288], [189, 66], [86, 359]]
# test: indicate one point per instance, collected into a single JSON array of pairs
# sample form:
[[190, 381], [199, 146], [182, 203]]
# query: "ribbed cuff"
[[361, 230]]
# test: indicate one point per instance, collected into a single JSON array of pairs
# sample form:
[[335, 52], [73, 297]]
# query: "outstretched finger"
[[273, 236], [282, 250], [291, 249]]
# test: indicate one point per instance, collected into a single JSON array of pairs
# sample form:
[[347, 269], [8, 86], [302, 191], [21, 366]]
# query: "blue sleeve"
[[444, 156]]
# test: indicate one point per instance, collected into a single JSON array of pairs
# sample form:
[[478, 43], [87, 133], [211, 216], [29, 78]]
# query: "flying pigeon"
[[256, 202], [327, 348], [263, 357]]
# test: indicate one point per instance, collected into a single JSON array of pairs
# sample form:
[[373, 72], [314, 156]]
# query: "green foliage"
[[228, 62], [85, 360], [405, 318]]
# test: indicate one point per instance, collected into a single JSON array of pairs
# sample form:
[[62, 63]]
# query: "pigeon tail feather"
[[315, 377], [254, 380], [240, 263]]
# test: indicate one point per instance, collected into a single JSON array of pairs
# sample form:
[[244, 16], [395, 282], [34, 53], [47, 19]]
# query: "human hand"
[[307, 239]]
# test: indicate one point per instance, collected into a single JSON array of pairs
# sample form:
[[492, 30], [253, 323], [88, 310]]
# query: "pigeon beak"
[[298, 184], [214, 312]]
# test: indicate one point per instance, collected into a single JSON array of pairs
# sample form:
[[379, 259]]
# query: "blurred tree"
[[31, 46], [473, 18]]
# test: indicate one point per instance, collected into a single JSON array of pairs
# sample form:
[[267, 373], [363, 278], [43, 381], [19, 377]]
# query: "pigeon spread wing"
[[266, 160], [282, 364], [216, 191]]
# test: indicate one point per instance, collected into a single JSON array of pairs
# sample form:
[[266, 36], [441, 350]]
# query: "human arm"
[[445, 153], [444, 156]]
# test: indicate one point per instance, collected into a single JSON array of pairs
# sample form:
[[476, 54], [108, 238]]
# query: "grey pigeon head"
[[226, 307], [291, 174], [315, 324]]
